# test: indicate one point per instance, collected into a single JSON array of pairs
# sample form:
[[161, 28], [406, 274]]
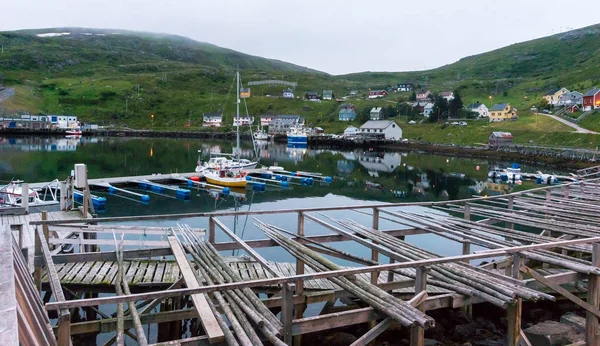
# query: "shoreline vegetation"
[[564, 158]]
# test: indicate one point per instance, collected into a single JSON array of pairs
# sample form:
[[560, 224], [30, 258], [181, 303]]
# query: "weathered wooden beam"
[[513, 312], [593, 299], [207, 319], [290, 279], [417, 333], [287, 312], [64, 316]]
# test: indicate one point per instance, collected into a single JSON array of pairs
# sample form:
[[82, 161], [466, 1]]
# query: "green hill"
[[121, 77]]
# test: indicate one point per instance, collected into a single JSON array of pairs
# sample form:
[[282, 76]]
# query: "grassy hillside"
[[122, 77]]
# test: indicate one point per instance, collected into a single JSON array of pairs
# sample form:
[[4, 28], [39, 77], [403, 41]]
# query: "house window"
[[393, 125]]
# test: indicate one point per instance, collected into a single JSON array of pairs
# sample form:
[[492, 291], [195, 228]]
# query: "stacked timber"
[[380, 300], [243, 309], [460, 277]]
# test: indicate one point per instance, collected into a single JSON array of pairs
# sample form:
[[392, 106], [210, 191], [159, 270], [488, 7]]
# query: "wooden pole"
[[511, 202], [514, 311], [593, 299], [467, 213], [374, 253], [300, 283], [25, 197], [417, 333], [287, 311], [211, 230]]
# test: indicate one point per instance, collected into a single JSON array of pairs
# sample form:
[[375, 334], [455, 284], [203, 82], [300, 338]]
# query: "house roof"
[[376, 109], [552, 91], [245, 90], [377, 91], [347, 110], [213, 115], [327, 92], [592, 92], [288, 91], [311, 93], [405, 83], [424, 92], [474, 105], [446, 93], [499, 106], [502, 134], [377, 124], [429, 106]]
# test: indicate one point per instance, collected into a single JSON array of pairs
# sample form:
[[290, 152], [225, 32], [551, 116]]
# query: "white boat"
[[496, 173], [512, 173], [544, 178], [12, 195], [260, 135], [224, 162]]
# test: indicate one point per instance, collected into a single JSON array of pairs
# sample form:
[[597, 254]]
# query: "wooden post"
[[466, 248], [593, 298], [467, 214], [514, 311], [85, 203], [566, 191], [25, 197], [374, 253], [287, 311], [37, 270], [548, 195], [417, 334], [63, 195], [300, 283], [211, 230], [391, 273]]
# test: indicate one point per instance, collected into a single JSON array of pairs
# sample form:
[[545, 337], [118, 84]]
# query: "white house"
[[244, 120], [376, 113], [448, 95], [288, 94], [387, 129], [428, 109], [212, 120], [350, 131], [479, 108]]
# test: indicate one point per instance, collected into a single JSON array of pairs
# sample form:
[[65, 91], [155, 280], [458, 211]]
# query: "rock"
[[465, 331], [572, 319], [339, 339], [550, 333]]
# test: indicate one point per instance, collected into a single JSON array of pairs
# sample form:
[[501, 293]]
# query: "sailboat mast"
[[238, 113]]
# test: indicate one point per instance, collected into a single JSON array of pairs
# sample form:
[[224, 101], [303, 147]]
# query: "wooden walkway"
[[146, 273], [17, 221]]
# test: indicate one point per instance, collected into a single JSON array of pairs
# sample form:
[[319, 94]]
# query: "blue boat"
[[297, 135]]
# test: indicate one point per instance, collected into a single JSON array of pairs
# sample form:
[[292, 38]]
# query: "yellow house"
[[553, 95], [244, 93], [502, 111]]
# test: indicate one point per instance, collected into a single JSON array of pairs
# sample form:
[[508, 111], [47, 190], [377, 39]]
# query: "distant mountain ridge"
[[130, 47]]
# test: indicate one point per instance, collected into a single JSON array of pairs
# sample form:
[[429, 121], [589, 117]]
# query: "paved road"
[[577, 128]]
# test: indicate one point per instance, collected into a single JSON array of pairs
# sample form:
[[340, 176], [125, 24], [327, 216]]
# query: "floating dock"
[[561, 247]]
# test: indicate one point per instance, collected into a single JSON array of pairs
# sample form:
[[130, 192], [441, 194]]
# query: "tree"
[[365, 114], [544, 104], [413, 96], [440, 110], [456, 104], [389, 112]]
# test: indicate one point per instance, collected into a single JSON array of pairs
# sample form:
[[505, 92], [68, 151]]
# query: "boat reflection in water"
[[32, 144]]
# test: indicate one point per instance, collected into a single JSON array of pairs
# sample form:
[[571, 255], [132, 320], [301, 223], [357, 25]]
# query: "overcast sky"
[[334, 36]]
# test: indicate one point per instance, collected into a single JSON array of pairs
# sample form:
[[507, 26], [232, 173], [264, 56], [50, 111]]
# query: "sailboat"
[[228, 161]]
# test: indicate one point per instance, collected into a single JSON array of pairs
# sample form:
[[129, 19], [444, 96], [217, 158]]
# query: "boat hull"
[[226, 182], [291, 139]]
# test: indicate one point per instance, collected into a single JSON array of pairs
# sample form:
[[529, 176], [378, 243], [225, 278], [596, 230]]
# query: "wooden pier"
[[547, 239]]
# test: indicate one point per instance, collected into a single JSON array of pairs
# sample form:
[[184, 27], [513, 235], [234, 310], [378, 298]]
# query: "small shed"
[[500, 139]]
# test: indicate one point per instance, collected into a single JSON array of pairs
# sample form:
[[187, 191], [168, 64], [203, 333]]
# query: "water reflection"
[[358, 174]]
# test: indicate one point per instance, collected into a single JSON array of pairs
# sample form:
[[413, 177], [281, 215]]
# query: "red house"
[[373, 94], [591, 100]]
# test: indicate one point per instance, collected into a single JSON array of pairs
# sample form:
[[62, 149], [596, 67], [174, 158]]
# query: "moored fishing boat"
[[297, 135], [12, 195], [226, 178]]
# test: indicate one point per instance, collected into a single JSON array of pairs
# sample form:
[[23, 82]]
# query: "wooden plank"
[[73, 272], [99, 277], [149, 272], [8, 303], [84, 272], [160, 270], [207, 319]]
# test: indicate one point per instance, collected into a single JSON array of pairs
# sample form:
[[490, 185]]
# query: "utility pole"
[[237, 104]]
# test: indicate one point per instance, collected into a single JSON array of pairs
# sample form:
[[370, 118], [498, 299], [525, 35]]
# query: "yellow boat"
[[225, 178]]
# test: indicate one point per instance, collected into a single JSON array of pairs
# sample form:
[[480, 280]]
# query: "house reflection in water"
[[31, 144], [379, 162]]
